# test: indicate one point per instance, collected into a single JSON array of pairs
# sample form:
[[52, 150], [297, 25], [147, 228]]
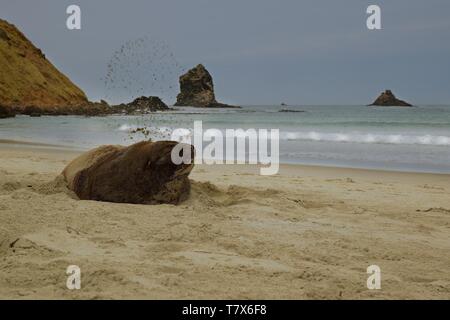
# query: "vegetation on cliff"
[[28, 79]]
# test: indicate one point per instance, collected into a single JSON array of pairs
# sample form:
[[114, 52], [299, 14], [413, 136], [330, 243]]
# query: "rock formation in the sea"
[[142, 173], [197, 90], [142, 105], [291, 110], [90, 109], [28, 79], [6, 112], [388, 99]]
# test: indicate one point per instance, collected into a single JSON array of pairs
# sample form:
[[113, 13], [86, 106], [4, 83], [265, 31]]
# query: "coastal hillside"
[[27, 78]]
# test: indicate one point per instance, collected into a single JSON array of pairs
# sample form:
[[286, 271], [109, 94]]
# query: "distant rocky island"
[[388, 99], [291, 110], [197, 90]]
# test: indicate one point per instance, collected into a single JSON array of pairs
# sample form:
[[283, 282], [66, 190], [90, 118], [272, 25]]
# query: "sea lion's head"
[[141, 173], [160, 162]]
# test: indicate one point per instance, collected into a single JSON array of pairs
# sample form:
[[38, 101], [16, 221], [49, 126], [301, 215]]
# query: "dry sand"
[[307, 233]]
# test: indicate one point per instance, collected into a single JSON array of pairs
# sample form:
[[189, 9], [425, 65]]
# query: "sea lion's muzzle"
[[165, 158], [188, 164]]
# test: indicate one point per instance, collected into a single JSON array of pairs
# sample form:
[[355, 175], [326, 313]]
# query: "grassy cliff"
[[27, 78]]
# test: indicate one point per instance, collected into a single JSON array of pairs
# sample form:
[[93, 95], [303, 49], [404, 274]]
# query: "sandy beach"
[[306, 233]]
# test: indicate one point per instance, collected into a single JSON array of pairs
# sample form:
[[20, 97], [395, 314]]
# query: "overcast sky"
[[258, 51]]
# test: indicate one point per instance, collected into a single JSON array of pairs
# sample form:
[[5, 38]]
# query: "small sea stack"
[[142, 105], [388, 99], [291, 110]]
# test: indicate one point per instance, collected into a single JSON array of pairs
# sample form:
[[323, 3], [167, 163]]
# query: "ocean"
[[402, 139]]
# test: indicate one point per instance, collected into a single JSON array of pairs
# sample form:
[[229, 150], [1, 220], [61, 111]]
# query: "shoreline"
[[5, 143]]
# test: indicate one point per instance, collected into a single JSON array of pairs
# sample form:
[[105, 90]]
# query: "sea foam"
[[356, 137]]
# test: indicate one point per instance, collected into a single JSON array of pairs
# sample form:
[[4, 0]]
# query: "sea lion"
[[142, 173]]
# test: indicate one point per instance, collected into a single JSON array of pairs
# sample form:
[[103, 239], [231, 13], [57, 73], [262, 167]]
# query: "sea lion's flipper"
[[175, 192]]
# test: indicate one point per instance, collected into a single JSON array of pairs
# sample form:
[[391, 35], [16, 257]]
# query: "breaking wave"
[[368, 138], [354, 137]]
